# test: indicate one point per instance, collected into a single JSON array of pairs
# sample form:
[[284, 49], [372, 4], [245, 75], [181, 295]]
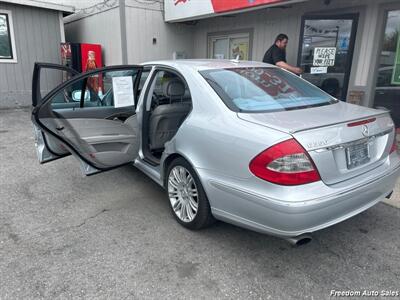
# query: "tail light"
[[393, 148], [286, 163]]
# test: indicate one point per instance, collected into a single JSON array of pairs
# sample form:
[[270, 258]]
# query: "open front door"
[[91, 116]]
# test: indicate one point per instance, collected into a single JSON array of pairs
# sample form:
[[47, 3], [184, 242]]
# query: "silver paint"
[[220, 143]]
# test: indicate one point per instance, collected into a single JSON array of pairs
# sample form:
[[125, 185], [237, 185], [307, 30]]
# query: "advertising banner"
[[90, 60], [181, 10], [224, 6], [91, 57]]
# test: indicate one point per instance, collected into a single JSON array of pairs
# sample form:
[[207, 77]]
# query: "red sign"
[[91, 57], [91, 60], [229, 5]]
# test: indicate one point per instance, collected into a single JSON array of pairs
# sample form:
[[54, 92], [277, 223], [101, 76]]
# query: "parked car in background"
[[242, 142]]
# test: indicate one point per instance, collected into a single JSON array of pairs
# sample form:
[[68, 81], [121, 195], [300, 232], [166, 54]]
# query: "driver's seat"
[[166, 119]]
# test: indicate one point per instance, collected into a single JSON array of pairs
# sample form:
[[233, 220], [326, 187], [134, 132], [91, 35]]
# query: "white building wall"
[[266, 24], [145, 22], [103, 28]]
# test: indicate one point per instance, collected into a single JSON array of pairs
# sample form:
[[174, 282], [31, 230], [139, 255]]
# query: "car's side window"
[[103, 89], [165, 89], [143, 78], [168, 103]]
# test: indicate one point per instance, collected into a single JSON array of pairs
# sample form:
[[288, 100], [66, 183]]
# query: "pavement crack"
[[92, 217]]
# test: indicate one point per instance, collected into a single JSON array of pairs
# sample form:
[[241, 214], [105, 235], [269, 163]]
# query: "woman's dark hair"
[[281, 37]]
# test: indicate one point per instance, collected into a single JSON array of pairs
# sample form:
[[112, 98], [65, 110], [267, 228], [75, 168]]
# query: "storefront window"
[[6, 51], [326, 52], [229, 46], [387, 91]]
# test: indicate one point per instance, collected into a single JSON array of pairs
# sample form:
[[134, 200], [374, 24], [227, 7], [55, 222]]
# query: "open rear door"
[[47, 147], [91, 116]]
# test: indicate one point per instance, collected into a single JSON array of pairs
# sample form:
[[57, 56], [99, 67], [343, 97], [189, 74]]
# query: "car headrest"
[[174, 88]]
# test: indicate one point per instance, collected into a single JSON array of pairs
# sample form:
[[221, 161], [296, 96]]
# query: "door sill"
[[153, 171]]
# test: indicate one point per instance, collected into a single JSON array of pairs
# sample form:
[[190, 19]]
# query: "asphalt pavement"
[[63, 235]]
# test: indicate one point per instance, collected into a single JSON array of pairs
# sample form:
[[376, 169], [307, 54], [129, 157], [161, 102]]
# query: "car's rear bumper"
[[261, 213]]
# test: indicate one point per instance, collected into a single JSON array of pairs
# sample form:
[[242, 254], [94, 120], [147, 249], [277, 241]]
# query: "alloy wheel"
[[183, 194]]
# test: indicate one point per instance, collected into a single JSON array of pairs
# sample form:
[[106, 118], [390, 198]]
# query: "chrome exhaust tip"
[[299, 240]]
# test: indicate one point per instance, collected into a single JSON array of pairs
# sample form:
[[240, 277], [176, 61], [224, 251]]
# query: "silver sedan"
[[242, 142]]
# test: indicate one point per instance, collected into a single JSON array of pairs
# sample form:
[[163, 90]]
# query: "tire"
[[184, 190]]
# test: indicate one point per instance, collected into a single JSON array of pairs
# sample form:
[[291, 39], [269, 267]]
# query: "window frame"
[[354, 17], [230, 34], [11, 35], [145, 113]]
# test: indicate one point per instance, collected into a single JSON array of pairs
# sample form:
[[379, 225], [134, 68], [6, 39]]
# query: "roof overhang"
[[188, 10], [66, 10]]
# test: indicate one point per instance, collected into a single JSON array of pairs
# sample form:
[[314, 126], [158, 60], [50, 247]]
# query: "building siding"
[[145, 22], [99, 28], [37, 38]]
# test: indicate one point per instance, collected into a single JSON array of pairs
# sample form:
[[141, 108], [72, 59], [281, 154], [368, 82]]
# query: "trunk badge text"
[[317, 144]]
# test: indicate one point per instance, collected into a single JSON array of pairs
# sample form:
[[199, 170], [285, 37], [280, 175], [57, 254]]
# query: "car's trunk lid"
[[340, 146]]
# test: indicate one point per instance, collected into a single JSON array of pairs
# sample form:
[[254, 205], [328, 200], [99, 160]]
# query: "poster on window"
[[396, 67], [240, 50], [123, 91], [324, 56], [318, 70]]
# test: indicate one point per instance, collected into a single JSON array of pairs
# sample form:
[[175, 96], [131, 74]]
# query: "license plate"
[[357, 155]]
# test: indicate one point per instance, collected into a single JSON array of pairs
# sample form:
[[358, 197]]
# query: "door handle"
[[60, 127]]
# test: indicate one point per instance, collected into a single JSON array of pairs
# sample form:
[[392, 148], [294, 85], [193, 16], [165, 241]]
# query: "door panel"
[[47, 76], [82, 116], [97, 112]]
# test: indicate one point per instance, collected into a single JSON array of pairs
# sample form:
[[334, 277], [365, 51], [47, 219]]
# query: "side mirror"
[[76, 96]]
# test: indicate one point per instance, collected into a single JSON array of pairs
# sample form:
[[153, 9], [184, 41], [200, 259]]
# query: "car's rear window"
[[264, 89]]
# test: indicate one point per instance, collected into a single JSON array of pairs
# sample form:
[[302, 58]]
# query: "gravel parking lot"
[[112, 235]]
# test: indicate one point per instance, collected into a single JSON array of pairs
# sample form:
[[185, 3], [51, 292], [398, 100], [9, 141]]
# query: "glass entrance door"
[[387, 90], [326, 52]]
